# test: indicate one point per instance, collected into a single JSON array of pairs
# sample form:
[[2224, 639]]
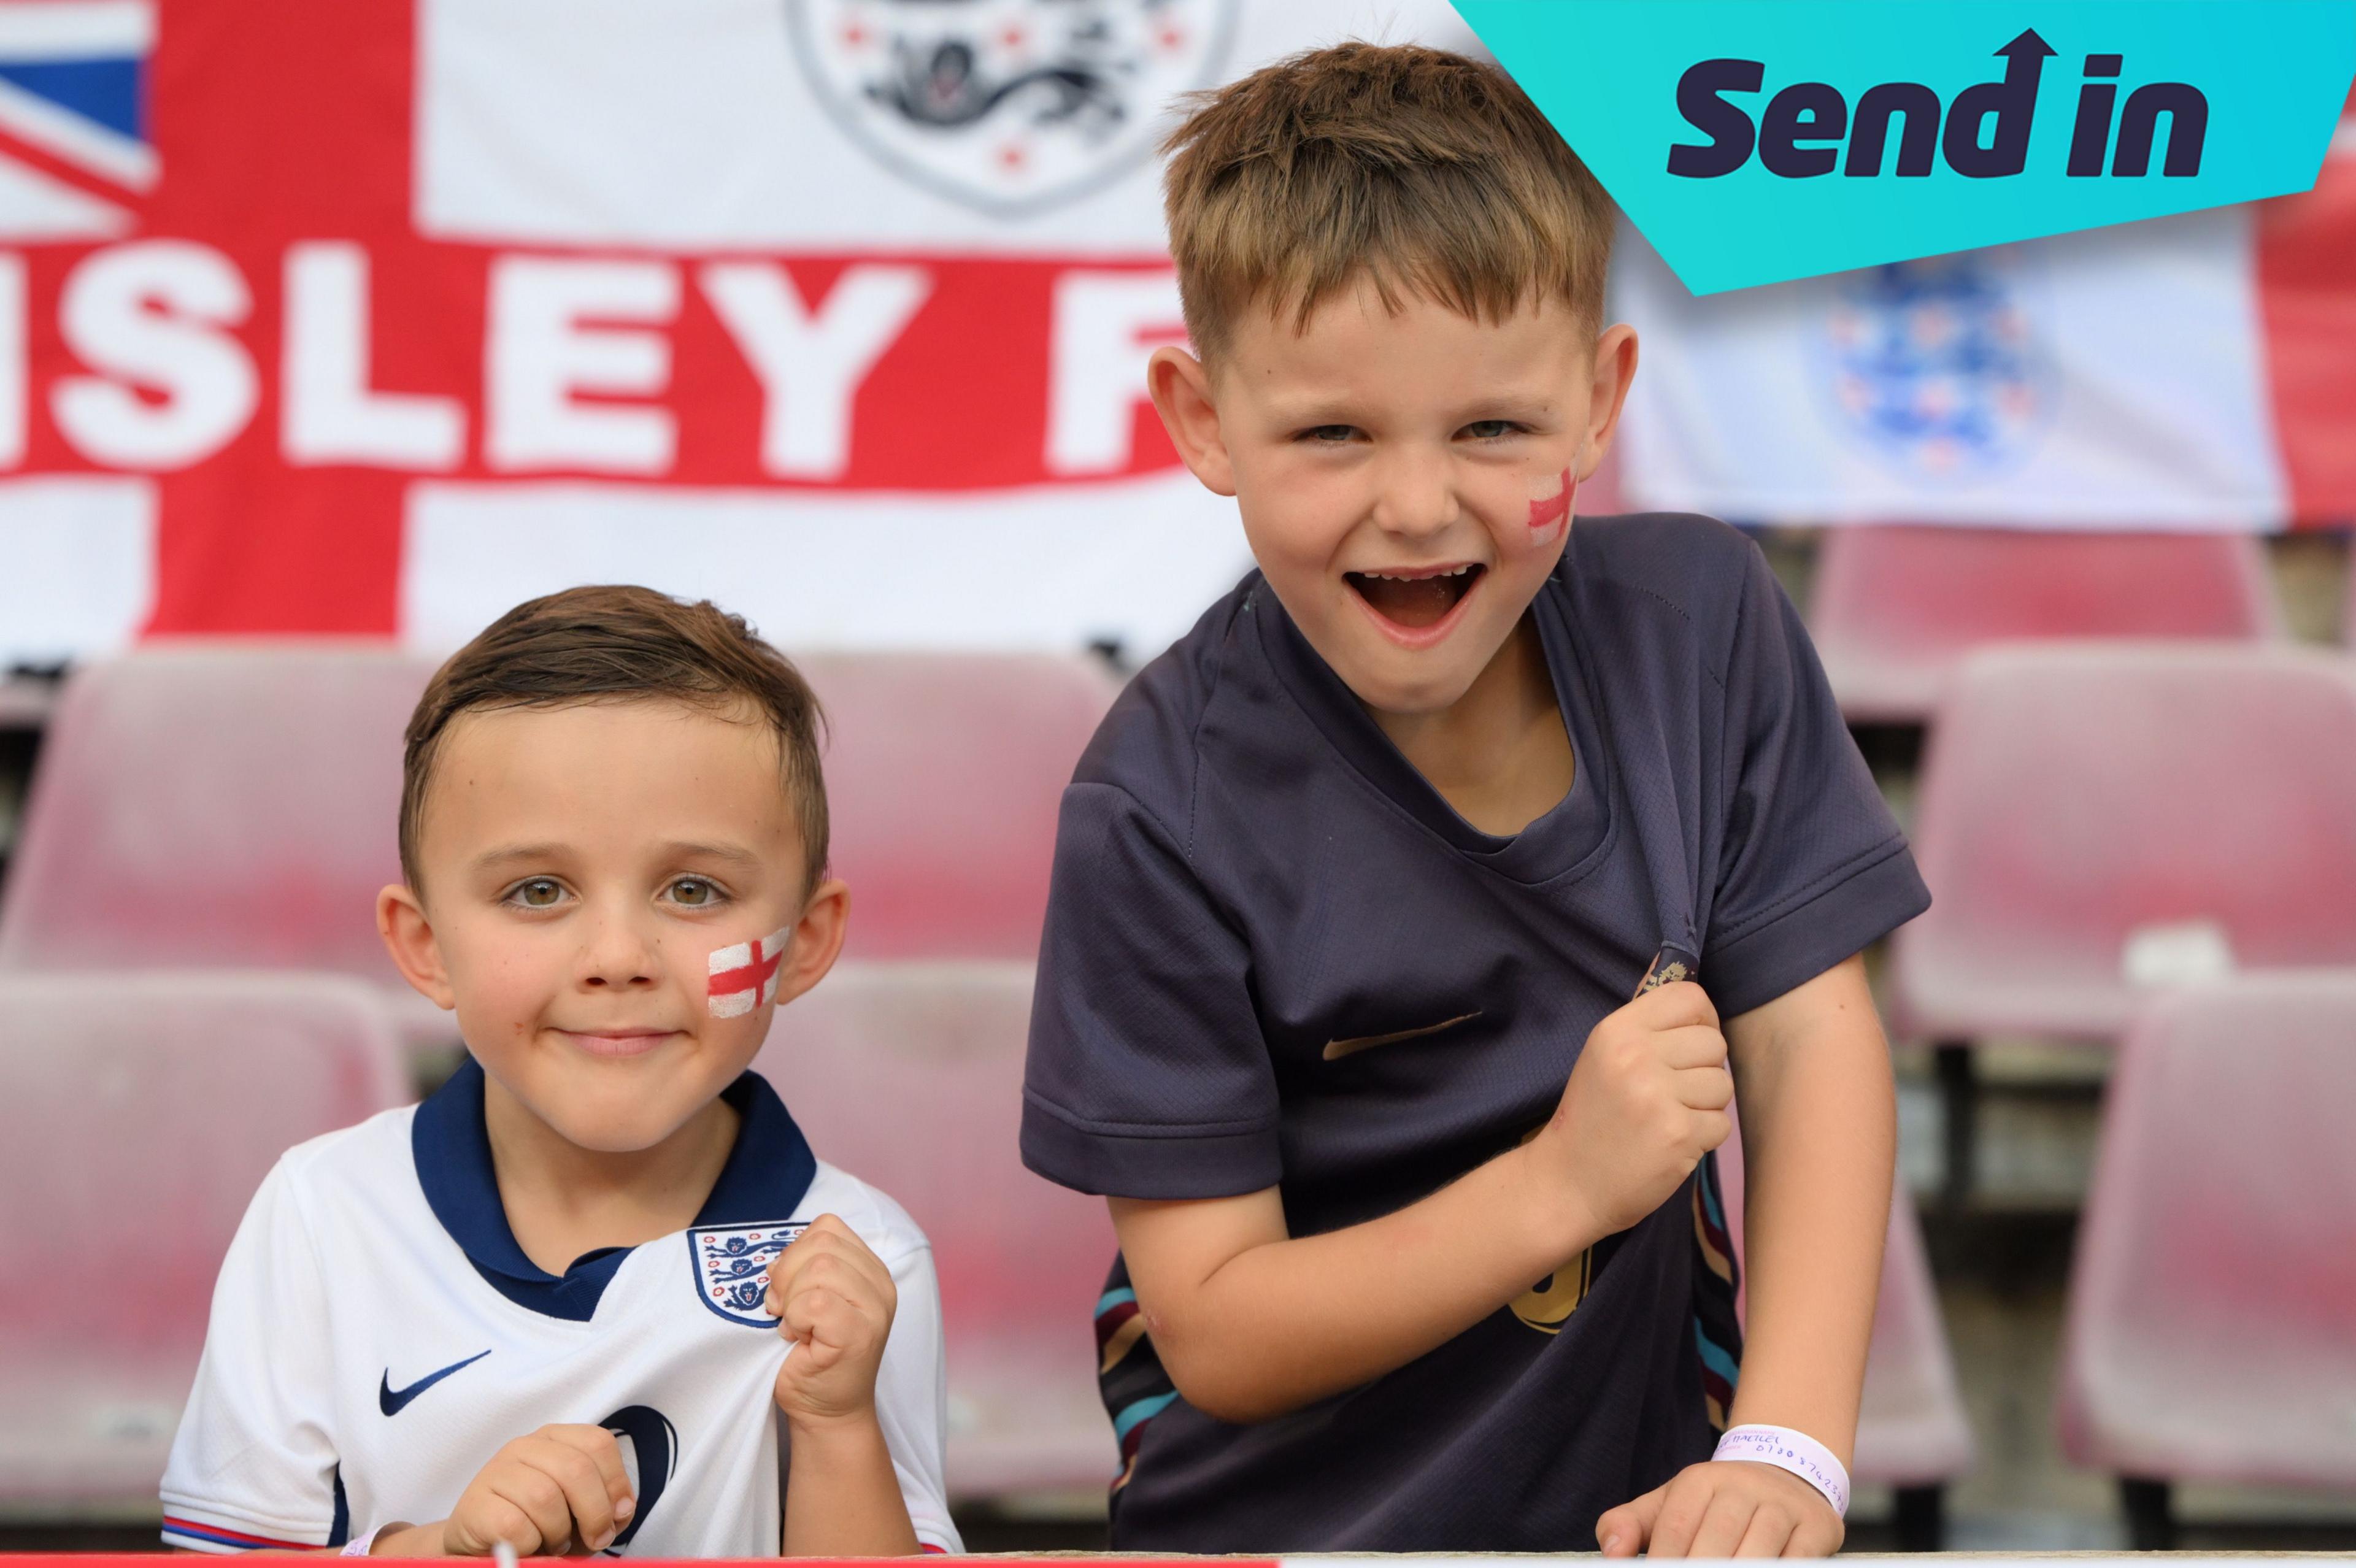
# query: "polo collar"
[[764, 1179]]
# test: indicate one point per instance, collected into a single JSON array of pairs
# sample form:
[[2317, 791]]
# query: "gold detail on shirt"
[[1548, 1303], [1668, 974], [1335, 1050]]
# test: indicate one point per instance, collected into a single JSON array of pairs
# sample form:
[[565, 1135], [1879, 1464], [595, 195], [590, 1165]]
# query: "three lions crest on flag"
[[1009, 106]]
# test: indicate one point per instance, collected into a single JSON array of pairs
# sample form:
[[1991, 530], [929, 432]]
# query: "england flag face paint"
[[745, 977], [1550, 498]]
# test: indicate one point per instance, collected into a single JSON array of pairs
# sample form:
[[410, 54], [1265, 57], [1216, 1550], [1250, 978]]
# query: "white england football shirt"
[[377, 1334]]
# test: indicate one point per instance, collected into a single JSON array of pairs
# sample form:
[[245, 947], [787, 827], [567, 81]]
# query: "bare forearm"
[[843, 1497], [1258, 1335], [1819, 1136]]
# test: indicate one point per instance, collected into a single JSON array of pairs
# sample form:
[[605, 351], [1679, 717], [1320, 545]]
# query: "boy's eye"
[[1490, 430], [694, 892], [1333, 434], [540, 892]]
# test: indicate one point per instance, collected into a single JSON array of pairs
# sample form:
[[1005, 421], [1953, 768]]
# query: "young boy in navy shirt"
[[1420, 1247], [597, 1294]]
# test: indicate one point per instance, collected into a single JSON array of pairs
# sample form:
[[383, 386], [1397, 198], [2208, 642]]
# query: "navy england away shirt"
[[1275, 955]]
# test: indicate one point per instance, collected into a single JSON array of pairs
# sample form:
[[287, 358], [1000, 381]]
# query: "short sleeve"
[[912, 1398], [1148, 1074], [254, 1464], [1813, 868]]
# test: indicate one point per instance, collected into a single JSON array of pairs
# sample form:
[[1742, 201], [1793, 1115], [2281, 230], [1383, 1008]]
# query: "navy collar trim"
[[766, 1176]]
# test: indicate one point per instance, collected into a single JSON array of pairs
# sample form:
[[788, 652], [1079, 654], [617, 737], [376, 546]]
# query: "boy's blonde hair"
[[1426, 172]]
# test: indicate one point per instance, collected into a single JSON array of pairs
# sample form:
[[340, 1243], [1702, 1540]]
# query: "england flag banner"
[[2196, 372], [376, 318]]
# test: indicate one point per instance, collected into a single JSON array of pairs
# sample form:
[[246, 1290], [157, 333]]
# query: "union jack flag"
[[75, 157]]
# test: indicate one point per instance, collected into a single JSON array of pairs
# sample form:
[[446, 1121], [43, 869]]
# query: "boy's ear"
[[817, 941], [1614, 367], [1180, 388], [408, 937]]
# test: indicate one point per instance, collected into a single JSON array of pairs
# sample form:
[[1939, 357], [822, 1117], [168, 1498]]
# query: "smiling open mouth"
[[1414, 599]]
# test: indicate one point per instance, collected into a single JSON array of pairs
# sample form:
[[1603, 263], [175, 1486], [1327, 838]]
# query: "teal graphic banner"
[[1752, 141]]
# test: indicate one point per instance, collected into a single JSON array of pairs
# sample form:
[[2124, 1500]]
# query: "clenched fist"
[[834, 1299], [561, 1490], [1646, 1099]]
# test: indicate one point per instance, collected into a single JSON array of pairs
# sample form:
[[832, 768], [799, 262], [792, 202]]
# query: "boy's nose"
[[1417, 495], [619, 957]]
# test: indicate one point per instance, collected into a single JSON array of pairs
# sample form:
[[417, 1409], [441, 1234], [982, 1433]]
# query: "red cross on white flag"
[[745, 977]]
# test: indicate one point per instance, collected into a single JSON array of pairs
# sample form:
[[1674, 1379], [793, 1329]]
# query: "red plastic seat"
[[2211, 1328], [910, 1076], [1895, 607], [137, 1115], [1911, 1427], [209, 804], [2080, 800], [944, 772]]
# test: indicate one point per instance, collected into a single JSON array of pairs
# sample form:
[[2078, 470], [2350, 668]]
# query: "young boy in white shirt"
[[596, 1294]]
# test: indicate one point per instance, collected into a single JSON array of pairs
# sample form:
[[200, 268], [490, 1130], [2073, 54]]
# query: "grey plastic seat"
[[2084, 804], [138, 1113], [213, 803], [1896, 608], [944, 775], [2211, 1324]]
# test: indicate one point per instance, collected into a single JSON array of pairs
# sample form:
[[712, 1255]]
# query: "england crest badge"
[[1943, 366], [731, 1268], [1009, 106]]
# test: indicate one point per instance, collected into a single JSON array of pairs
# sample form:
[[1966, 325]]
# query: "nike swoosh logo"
[[392, 1401], [1335, 1050]]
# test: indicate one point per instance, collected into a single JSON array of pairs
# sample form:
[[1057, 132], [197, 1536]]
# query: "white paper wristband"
[[363, 1545], [1794, 1451]]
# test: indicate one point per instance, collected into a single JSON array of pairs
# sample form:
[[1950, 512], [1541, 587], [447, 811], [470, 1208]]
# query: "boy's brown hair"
[[1423, 170], [617, 644]]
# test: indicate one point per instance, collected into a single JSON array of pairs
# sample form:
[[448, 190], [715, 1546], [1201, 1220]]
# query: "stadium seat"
[[220, 804], [2089, 810], [1895, 607], [910, 1075], [944, 772], [138, 1113], [1912, 1433], [2211, 1325], [2099, 818]]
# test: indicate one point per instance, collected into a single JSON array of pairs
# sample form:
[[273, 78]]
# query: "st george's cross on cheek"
[[1550, 501], [744, 975]]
